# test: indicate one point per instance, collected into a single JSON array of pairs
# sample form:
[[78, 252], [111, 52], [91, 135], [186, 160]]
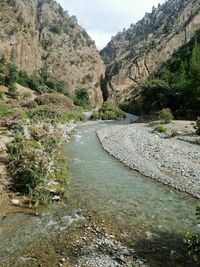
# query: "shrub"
[[40, 114], [54, 98], [23, 78], [75, 114], [11, 3], [55, 28], [198, 126], [27, 164], [192, 240], [12, 91], [4, 109], [12, 124], [36, 83], [160, 128], [166, 115], [82, 98], [109, 111]]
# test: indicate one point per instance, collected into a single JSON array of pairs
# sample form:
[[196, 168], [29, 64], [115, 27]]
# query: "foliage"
[[54, 98], [4, 109], [48, 140], [166, 115], [11, 3], [192, 240], [12, 91], [160, 128], [12, 124], [41, 114], [176, 85], [27, 164], [198, 126], [74, 114], [155, 94], [109, 111], [82, 98], [55, 28]]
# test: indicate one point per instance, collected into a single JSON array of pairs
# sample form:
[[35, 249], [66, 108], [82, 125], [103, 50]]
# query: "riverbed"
[[145, 216]]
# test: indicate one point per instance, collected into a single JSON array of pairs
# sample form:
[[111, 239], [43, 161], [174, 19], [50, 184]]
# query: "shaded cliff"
[[38, 36], [142, 49]]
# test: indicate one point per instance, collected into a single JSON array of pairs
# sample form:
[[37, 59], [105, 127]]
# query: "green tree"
[[82, 98], [156, 95]]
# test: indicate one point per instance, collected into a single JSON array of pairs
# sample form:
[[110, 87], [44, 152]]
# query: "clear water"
[[129, 202]]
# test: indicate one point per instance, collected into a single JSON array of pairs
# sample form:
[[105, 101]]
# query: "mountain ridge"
[[142, 49], [40, 36]]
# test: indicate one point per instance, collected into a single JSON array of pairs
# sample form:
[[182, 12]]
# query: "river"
[[148, 214]]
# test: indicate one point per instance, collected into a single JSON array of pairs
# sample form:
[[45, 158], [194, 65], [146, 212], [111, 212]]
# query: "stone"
[[15, 202]]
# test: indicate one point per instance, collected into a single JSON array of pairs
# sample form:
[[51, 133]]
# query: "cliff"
[[37, 35], [142, 49]]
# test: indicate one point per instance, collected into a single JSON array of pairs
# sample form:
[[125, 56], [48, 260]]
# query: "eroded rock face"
[[38, 34], [142, 49]]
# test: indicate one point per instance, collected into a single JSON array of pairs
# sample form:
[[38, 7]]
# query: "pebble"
[[170, 161], [15, 202]]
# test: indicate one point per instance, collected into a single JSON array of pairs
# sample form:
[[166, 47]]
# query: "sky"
[[104, 19]]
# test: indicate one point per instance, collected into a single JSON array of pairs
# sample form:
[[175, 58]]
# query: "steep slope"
[[135, 53], [37, 35]]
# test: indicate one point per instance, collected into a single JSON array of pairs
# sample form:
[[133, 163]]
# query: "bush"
[[12, 124], [160, 128], [41, 114], [37, 84], [4, 109], [82, 98], [12, 91], [192, 240], [166, 115], [109, 111], [54, 98], [27, 164], [75, 114], [198, 126]]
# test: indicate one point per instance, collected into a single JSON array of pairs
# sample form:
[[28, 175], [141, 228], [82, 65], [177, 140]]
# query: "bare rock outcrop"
[[39, 35], [142, 49]]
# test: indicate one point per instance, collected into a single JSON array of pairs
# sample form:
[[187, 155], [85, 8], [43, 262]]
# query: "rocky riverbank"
[[172, 161]]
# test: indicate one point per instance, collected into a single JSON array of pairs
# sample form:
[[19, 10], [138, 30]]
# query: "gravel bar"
[[171, 161]]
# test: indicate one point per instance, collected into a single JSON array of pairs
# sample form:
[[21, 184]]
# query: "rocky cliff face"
[[38, 35], [142, 49]]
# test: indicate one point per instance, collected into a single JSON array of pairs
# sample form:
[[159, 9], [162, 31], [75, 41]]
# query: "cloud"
[[102, 19]]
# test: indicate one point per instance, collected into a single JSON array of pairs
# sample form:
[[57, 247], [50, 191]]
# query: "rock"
[[69, 54], [56, 198], [133, 54], [15, 202]]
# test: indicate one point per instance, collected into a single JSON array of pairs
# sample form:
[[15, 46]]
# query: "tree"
[[156, 95]]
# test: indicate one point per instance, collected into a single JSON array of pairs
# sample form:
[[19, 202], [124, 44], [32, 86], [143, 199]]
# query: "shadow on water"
[[164, 249]]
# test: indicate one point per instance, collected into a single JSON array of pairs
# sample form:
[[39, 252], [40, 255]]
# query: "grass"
[[160, 128]]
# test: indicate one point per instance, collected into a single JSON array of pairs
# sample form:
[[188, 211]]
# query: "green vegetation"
[[29, 162], [4, 109], [26, 164], [109, 111], [175, 86], [10, 75], [55, 29], [73, 114], [192, 240], [160, 128], [166, 115], [82, 98], [198, 126]]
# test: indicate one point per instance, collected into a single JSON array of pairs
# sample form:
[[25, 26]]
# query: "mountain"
[[132, 55], [39, 36]]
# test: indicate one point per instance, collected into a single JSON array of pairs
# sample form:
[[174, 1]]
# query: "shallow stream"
[[142, 211]]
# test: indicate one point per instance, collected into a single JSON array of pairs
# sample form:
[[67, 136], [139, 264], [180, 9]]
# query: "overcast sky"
[[103, 19]]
